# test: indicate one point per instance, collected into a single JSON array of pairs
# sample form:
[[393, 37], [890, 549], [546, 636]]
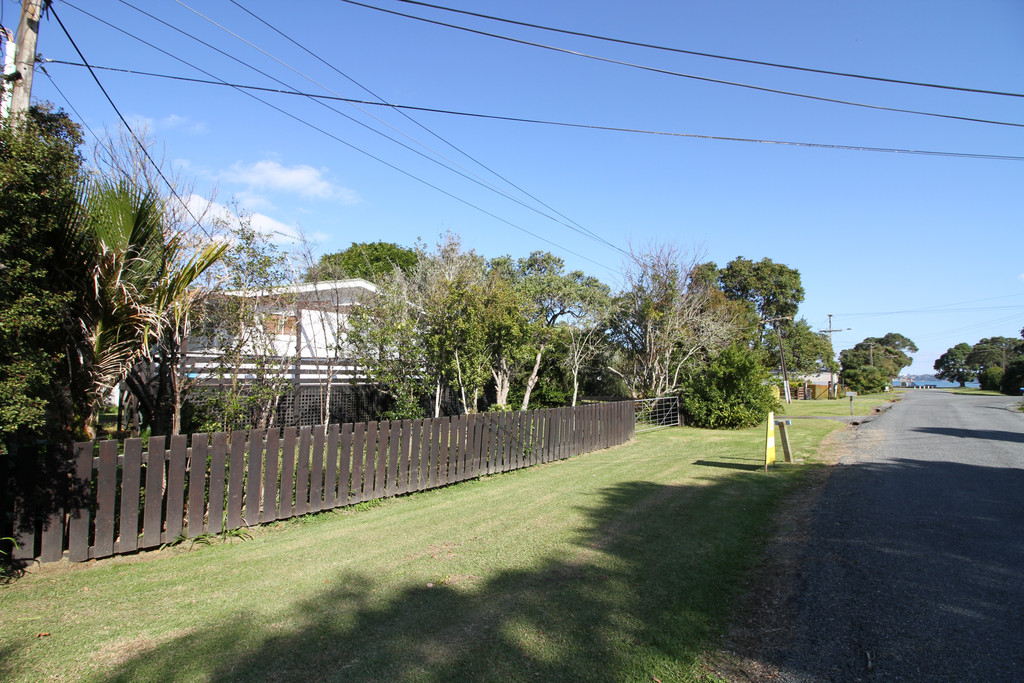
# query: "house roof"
[[328, 289]]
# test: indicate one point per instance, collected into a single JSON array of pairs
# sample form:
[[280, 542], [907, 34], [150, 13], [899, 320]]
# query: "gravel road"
[[913, 568]]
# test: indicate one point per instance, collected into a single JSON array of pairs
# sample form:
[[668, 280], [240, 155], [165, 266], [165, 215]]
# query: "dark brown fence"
[[216, 483]]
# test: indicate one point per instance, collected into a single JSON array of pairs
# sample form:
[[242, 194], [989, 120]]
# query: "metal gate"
[[655, 413]]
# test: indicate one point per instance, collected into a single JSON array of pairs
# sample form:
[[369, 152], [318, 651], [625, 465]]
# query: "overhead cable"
[[709, 55], [669, 72], [565, 124], [479, 180], [419, 124], [339, 140], [142, 147]]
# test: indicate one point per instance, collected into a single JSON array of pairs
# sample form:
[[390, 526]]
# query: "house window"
[[278, 323]]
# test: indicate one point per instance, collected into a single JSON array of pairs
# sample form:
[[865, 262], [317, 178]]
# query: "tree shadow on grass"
[[646, 587], [729, 465]]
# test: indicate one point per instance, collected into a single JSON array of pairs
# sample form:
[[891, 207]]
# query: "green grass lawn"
[[973, 391], [621, 565], [862, 405]]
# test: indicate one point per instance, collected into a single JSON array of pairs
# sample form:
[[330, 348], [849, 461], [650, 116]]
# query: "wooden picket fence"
[[212, 484]]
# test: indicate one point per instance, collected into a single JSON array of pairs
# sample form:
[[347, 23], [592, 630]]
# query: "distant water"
[[938, 383]]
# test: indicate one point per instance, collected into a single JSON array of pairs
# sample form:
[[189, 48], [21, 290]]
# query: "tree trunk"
[[534, 376], [437, 399], [502, 381]]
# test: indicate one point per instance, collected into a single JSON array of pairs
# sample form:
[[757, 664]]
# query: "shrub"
[[1013, 378], [991, 378], [731, 391], [866, 379]]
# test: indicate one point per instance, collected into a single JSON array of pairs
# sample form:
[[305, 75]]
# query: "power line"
[[975, 326], [669, 72], [142, 147], [480, 181], [677, 50], [564, 124], [294, 91], [419, 124], [940, 308], [66, 100], [326, 133]]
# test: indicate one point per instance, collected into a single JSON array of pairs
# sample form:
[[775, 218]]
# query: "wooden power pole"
[[25, 57], [832, 373]]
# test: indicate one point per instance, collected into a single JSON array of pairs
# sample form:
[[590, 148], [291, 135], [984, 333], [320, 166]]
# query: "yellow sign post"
[[769, 442]]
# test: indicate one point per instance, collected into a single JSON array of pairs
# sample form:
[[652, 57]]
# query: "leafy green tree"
[[774, 289], [995, 352], [806, 351], [370, 261], [873, 363], [427, 329], [731, 391], [507, 326], [770, 293], [553, 295], [587, 335], [449, 285], [385, 339], [953, 365], [239, 328], [40, 189]]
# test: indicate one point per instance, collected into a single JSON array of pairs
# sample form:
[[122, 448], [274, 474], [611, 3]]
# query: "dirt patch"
[[762, 624], [119, 652]]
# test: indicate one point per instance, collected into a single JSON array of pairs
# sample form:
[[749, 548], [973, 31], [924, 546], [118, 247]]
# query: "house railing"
[[182, 488]]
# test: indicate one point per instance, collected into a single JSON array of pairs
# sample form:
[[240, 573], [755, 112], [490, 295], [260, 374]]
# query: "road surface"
[[914, 565]]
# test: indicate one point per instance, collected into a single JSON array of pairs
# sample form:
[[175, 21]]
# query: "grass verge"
[[973, 391], [616, 566], [840, 407]]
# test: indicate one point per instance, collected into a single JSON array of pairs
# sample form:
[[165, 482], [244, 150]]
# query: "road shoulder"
[[763, 623]]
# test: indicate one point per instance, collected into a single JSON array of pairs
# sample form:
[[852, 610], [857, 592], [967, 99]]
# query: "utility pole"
[[10, 47], [25, 57], [832, 372], [782, 355]]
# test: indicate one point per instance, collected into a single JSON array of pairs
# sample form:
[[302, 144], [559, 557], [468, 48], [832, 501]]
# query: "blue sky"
[[928, 246]]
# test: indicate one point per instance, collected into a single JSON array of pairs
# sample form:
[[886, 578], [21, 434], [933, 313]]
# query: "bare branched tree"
[[665, 322]]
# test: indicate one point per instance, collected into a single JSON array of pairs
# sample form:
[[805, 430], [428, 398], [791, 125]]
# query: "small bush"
[[991, 378], [732, 391], [1013, 378], [866, 379]]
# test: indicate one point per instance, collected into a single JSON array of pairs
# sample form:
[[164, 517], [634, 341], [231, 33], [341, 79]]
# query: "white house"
[[303, 326]]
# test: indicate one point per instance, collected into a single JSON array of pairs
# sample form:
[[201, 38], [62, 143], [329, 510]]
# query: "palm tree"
[[139, 294]]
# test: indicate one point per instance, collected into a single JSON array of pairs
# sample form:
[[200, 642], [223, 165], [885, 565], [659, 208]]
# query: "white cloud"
[[303, 180], [278, 232], [1021, 277], [254, 201], [175, 121], [144, 124]]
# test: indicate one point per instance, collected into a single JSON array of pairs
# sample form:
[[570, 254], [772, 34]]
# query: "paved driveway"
[[914, 567]]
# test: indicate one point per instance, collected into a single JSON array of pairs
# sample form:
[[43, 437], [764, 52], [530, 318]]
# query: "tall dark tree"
[[40, 187], [954, 366], [773, 288], [993, 352]]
